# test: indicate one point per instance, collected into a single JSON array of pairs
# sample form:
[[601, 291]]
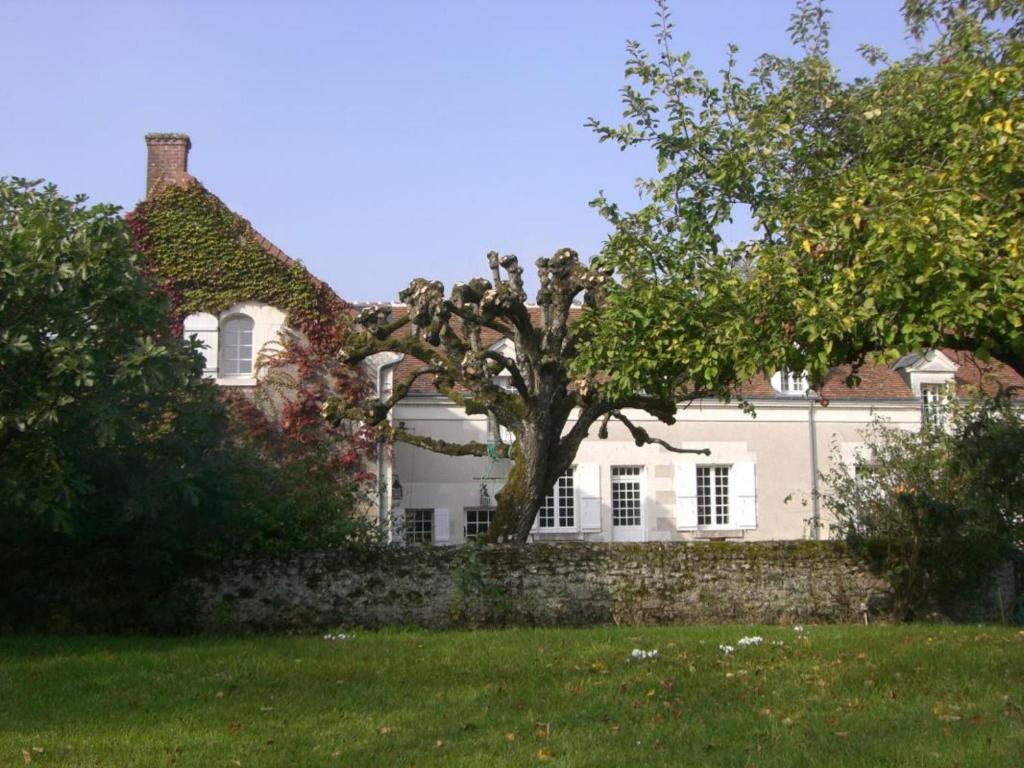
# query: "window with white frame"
[[236, 346], [419, 526], [626, 495], [478, 521], [933, 403], [558, 510], [712, 496], [790, 383]]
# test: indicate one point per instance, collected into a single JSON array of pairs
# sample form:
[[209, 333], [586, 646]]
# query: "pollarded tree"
[[548, 409]]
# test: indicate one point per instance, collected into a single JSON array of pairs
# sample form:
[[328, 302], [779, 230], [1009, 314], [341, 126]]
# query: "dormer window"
[[236, 346], [790, 383], [931, 377], [504, 381], [934, 400]]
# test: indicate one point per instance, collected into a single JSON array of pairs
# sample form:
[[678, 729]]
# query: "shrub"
[[936, 510]]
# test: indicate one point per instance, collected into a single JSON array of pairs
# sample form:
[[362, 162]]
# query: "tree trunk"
[[524, 490]]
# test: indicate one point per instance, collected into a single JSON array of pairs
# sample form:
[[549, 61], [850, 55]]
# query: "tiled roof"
[[878, 381]]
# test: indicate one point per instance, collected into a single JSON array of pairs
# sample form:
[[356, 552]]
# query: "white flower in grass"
[[641, 654], [752, 640], [726, 649], [778, 642], [799, 628], [338, 636]]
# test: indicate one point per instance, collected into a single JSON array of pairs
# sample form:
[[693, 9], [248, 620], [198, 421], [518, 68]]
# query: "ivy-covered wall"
[[207, 258]]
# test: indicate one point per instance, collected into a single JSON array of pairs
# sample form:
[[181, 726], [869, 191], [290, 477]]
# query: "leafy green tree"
[[121, 470], [86, 364], [936, 510], [886, 211]]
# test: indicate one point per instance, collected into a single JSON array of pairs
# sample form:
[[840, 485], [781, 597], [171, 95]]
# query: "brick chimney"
[[167, 163]]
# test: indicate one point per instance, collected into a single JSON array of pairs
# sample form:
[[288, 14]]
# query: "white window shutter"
[[397, 533], [204, 327], [743, 495], [686, 497], [442, 526], [588, 481]]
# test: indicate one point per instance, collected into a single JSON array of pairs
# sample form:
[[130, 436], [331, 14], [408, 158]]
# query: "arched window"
[[236, 346]]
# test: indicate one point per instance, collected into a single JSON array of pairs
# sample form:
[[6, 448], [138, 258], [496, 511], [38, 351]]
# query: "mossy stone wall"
[[544, 584]]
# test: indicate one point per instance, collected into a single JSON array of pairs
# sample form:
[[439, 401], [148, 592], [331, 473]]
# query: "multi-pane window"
[[791, 383], [478, 521], [933, 397], [236, 346], [712, 495], [625, 495], [558, 510], [419, 526]]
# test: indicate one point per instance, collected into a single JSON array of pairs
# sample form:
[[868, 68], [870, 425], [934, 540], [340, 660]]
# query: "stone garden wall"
[[543, 584]]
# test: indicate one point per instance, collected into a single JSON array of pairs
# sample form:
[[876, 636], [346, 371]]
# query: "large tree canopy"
[[89, 375], [885, 212], [547, 410]]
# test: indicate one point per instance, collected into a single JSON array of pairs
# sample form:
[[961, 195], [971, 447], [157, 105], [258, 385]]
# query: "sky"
[[374, 141]]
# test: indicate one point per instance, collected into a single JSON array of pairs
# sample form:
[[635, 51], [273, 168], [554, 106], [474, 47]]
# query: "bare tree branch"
[[641, 437]]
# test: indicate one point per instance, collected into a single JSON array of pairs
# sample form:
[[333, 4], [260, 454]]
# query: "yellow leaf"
[[807, 246]]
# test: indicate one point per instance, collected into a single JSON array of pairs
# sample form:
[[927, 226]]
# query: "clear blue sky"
[[375, 141]]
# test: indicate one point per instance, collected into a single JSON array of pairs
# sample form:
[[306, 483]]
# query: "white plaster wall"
[[777, 439]]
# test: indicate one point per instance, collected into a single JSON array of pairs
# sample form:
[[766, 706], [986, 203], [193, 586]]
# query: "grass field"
[[829, 696]]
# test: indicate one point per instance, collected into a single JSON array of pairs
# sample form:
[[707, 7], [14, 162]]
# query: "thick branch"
[[641, 437], [513, 369], [473, 448]]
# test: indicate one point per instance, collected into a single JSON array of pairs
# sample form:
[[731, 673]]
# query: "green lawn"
[[835, 696]]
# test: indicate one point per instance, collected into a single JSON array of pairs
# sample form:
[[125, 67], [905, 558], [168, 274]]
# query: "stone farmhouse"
[[760, 481]]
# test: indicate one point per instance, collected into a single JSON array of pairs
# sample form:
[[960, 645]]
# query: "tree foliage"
[[87, 367], [886, 211], [936, 510], [121, 470], [455, 340]]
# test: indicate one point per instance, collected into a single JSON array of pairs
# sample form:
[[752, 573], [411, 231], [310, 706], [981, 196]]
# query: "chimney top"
[[167, 163]]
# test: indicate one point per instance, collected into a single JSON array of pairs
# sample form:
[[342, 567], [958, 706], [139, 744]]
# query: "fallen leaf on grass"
[[384, 730], [439, 743], [219, 695], [543, 730], [234, 727], [842, 734], [510, 736], [543, 754]]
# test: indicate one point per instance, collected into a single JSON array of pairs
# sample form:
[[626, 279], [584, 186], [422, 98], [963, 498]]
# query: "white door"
[[627, 504]]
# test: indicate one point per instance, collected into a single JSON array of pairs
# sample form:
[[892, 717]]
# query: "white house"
[[758, 483]]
